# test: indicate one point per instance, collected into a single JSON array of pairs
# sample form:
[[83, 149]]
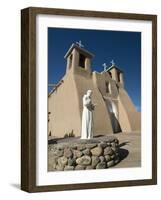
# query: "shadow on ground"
[[52, 141], [123, 143], [123, 153], [15, 185]]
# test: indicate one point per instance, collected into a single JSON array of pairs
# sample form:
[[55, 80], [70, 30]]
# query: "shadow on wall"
[[112, 109], [115, 123]]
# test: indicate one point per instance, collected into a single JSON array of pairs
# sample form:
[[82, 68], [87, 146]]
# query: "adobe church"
[[114, 111]]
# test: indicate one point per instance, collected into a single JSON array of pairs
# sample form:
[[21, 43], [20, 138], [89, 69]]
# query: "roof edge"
[[114, 66], [79, 48]]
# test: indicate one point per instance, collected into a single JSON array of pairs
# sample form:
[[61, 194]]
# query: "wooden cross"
[[105, 66], [112, 62], [80, 44]]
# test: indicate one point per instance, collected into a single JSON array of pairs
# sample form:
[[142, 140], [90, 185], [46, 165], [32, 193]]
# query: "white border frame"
[[43, 177]]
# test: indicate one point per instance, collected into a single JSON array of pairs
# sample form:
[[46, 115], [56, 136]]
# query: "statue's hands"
[[92, 106]]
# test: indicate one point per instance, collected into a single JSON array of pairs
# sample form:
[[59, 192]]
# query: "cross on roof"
[[105, 66], [80, 44], [112, 62]]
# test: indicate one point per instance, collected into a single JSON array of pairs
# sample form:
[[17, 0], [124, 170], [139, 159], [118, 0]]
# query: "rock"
[[67, 152], [110, 163], [117, 145], [113, 144], [51, 147], [87, 152], [61, 146], [101, 165], [90, 146], [109, 140], [81, 147], [115, 149], [108, 144], [102, 159], [51, 157], [71, 162], [97, 151], [108, 151], [116, 141], [107, 158], [83, 154], [90, 167], [54, 165], [73, 146], [95, 160], [52, 162], [50, 167], [58, 153], [77, 153], [59, 168], [112, 156], [66, 168], [117, 154], [84, 160], [62, 161], [79, 167], [102, 144], [117, 160], [112, 139]]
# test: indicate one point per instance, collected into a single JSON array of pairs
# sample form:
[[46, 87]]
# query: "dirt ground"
[[130, 148]]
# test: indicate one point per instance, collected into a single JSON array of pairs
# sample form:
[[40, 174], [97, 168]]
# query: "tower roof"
[[114, 66], [84, 51]]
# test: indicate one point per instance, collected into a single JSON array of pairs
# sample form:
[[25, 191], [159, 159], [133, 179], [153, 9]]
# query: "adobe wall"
[[66, 115], [101, 119], [129, 118], [100, 80], [123, 118], [64, 109], [110, 98]]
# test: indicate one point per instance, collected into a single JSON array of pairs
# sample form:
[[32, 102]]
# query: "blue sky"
[[123, 47]]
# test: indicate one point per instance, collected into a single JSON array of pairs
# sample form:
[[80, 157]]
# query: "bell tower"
[[115, 73], [78, 58]]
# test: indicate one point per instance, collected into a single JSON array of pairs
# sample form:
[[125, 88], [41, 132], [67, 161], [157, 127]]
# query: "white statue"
[[87, 118]]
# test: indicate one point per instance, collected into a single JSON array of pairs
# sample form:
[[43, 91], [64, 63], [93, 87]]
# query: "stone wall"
[[83, 154]]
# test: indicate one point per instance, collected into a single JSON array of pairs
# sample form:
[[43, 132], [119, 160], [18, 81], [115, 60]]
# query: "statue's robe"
[[87, 118]]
